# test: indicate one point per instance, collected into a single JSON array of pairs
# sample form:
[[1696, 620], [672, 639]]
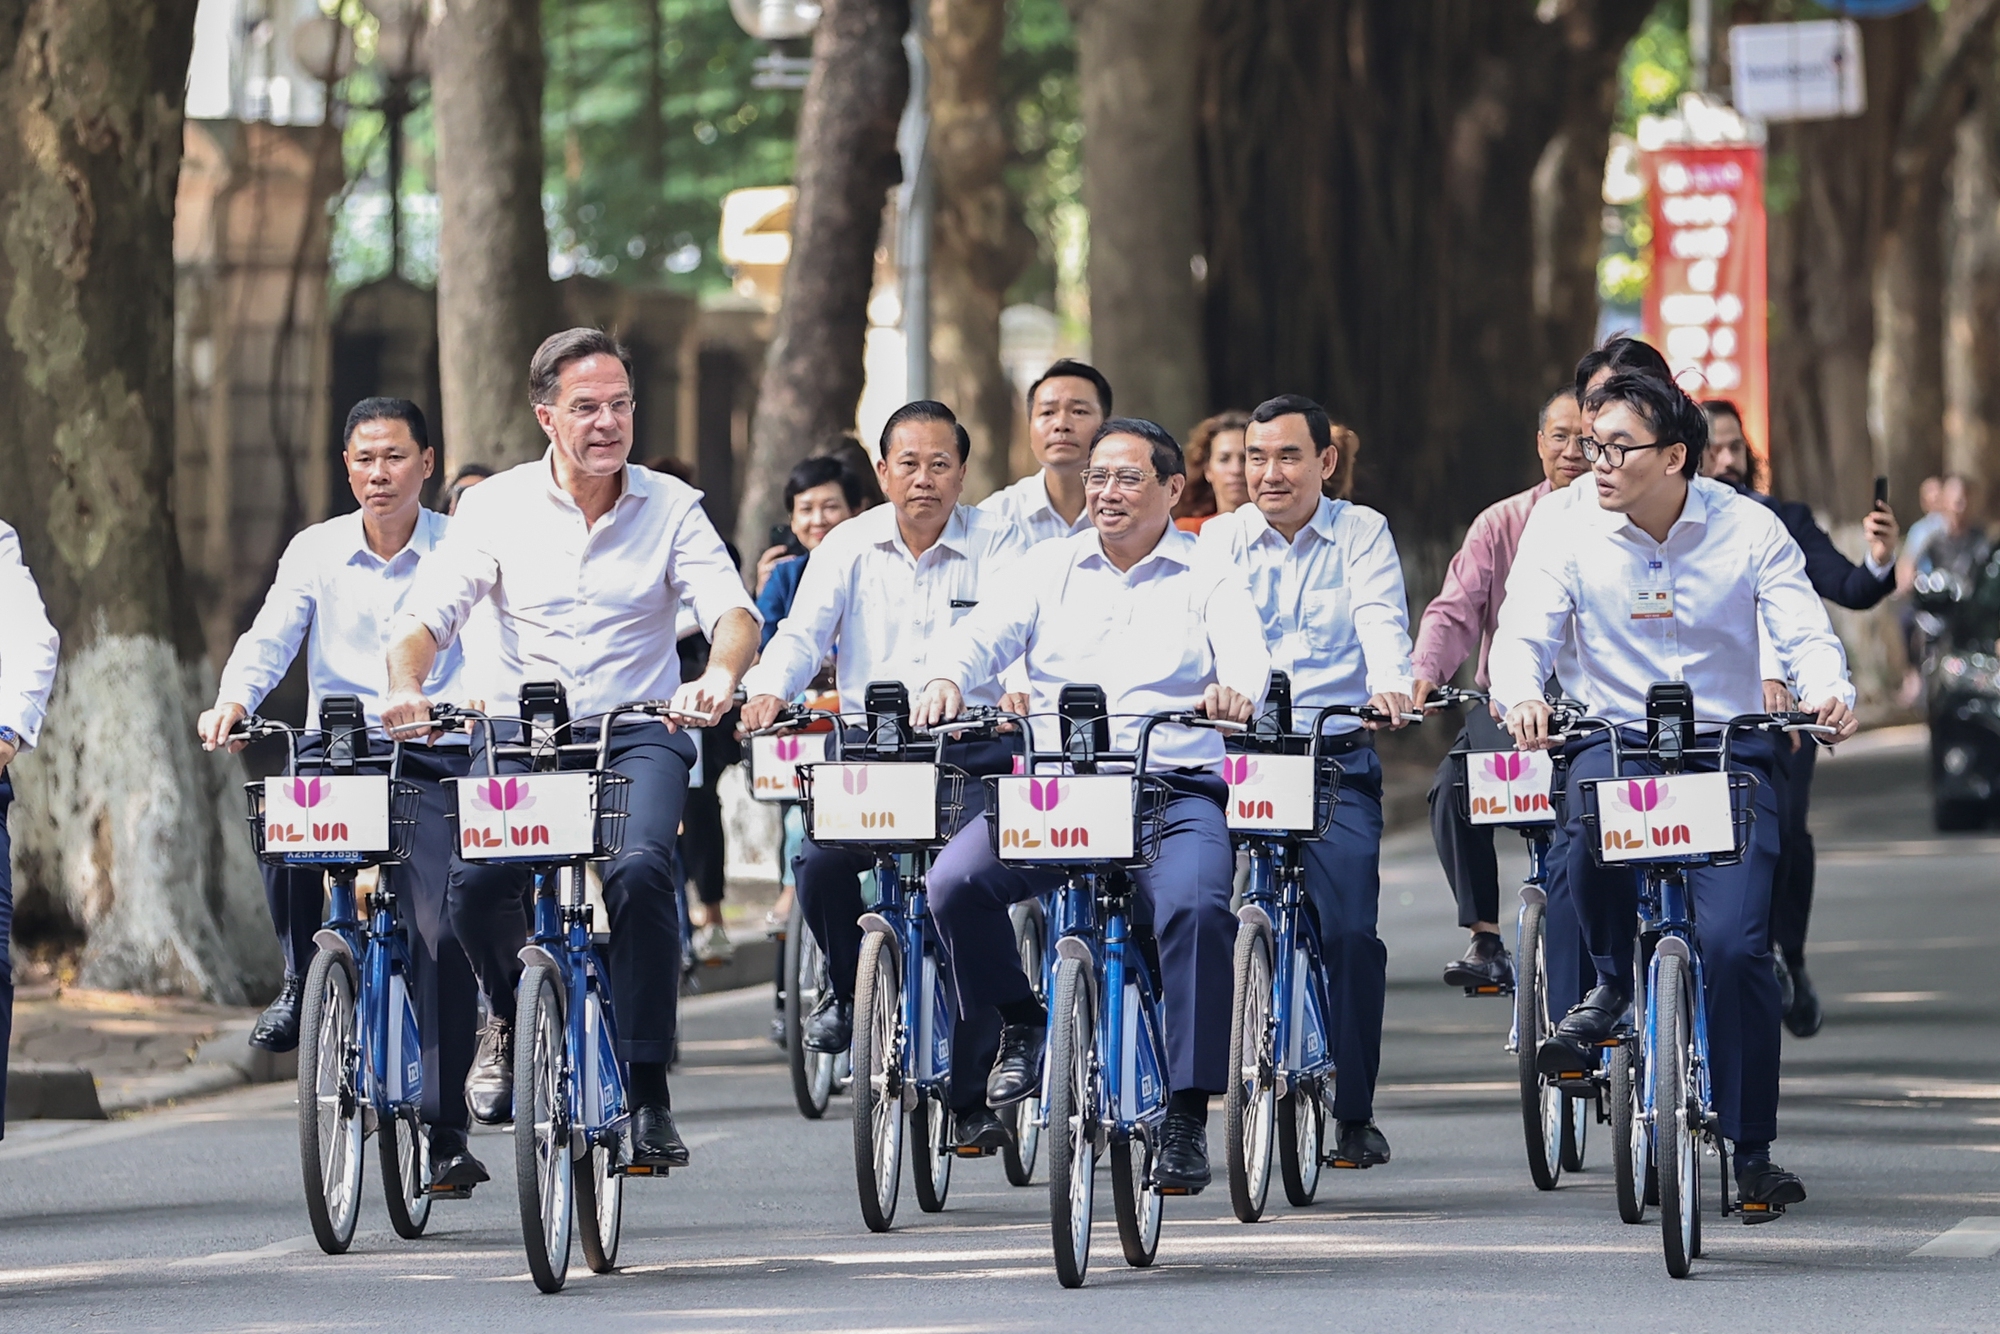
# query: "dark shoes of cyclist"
[[1804, 1016], [1571, 1048], [453, 1168], [778, 1029], [1360, 1144], [278, 1027], [655, 1141], [1183, 1159], [489, 1088], [978, 1128], [1486, 963], [1761, 1181], [830, 1026], [1017, 1070]]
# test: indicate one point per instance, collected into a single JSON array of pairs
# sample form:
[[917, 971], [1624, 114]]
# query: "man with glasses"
[[1669, 579], [1329, 589], [587, 559], [1131, 605], [879, 590]]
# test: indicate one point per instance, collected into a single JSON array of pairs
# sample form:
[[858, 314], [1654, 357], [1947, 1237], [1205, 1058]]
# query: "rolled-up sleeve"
[[29, 646], [992, 637], [1534, 615], [702, 574], [265, 652], [807, 633], [453, 578], [1795, 620]]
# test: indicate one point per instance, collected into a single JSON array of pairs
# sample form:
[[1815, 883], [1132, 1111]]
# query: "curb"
[[38, 1092]]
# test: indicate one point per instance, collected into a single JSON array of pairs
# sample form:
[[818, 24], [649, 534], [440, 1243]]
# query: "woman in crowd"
[[1215, 471]]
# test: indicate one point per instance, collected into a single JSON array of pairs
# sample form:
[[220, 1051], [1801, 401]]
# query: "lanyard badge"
[[1652, 604]]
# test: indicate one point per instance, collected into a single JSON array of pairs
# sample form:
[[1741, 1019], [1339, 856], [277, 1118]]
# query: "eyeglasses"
[[1594, 450], [1128, 479], [587, 411]]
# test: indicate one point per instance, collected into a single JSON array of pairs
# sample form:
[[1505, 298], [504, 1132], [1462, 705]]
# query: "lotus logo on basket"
[[1044, 795], [786, 748], [506, 797], [1649, 800], [1241, 771], [307, 792], [1496, 796], [304, 794], [855, 780]]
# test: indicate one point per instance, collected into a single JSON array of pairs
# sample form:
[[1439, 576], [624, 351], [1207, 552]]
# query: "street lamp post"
[[403, 63]]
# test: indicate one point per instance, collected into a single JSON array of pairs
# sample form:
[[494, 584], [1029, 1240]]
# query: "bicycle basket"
[[1508, 788], [1699, 819], [1080, 820], [332, 819], [892, 806], [1277, 786]]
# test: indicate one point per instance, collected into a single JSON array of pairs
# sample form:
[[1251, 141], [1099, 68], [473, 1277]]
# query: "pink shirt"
[[1467, 609]]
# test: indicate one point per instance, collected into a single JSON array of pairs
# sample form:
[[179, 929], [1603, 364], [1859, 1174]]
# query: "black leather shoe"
[[655, 1141], [1182, 1164], [1017, 1070], [457, 1173], [1804, 1016], [978, 1129], [1766, 1189], [830, 1026], [277, 1028], [1486, 966], [489, 1087], [1359, 1144], [1572, 1046]]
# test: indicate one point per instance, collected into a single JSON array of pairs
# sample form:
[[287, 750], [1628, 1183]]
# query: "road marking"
[[1973, 1239], [1890, 997], [289, 1246]]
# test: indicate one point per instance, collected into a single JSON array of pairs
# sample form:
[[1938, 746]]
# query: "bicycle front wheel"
[[332, 1135], [1676, 1117], [404, 1147], [541, 1125], [600, 1205], [1071, 1102], [1135, 1201], [1249, 1106], [1541, 1101], [1301, 1132], [1630, 1150], [878, 1082], [805, 982]]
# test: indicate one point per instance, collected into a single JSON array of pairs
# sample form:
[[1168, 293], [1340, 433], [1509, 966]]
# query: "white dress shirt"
[[593, 606], [1155, 637], [1027, 506], [1687, 609], [883, 607], [1335, 617], [335, 594], [28, 645]]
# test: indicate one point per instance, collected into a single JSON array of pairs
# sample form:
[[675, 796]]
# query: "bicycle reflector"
[[1669, 721], [1276, 720], [1085, 728], [345, 728]]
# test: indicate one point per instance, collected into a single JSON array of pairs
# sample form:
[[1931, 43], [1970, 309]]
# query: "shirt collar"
[[635, 485], [1174, 546], [1695, 511], [1325, 518], [891, 535], [423, 539]]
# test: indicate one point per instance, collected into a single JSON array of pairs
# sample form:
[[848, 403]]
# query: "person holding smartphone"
[[820, 495]]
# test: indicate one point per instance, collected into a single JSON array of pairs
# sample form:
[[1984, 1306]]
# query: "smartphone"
[[1881, 492], [783, 536]]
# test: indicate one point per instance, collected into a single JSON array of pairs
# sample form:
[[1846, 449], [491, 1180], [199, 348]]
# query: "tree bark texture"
[[1401, 220], [1136, 74], [1972, 296], [495, 301], [980, 244], [126, 835], [846, 166]]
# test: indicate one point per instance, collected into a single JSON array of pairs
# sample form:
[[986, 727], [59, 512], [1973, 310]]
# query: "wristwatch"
[[10, 736]]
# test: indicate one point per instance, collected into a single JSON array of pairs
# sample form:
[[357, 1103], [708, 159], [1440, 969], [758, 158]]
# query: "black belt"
[[1346, 743]]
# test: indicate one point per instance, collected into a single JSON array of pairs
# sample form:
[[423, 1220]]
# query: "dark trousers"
[[1343, 881], [1185, 893], [701, 843], [1792, 888], [446, 996], [1732, 910], [6, 933], [1465, 849], [489, 904]]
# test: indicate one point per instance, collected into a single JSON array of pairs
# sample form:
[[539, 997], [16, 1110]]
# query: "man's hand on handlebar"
[[1840, 718], [760, 711], [214, 726], [1420, 690], [941, 702], [1393, 703], [1225, 705], [707, 697], [403, 713], [1528, 723]]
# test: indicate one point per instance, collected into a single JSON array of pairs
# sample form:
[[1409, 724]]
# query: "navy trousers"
[[489, 903], [6, 933], [1343, 881], [1792, 888], [1185, 892], [1732, 910], [447, 998]]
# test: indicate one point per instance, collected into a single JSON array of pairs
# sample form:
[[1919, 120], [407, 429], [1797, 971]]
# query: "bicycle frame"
[[1534, 890], [561, 939], [1298, 966]]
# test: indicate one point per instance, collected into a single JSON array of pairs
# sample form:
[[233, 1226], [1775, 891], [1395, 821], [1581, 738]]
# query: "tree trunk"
[[126, 835], [1401, 208], [495, 301], [1972, 297], [846, 166], [980, 245], [1136, 72]]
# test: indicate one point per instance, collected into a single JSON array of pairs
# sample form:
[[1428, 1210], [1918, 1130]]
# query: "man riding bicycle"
[[1329, 586], [587, 561], [1129, 605], [1666, 578]]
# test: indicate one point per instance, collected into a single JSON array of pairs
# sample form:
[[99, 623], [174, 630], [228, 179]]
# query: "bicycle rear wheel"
[[878, 1103], [1072, 1109], [1301, 1132], [600, 1205], [404, 1147], [1630, 1151], [1249, 1106], [1135, 1201], [1576, 1114], [541, 1125], [332, 1135], [930, 1152], [1676, 1117], [1023, 1119], [1541, 1101], [805, 982]]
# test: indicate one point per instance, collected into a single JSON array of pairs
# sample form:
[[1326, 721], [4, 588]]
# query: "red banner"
[[1705, 301]]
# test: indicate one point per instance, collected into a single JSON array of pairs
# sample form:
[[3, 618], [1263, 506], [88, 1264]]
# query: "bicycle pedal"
[[1754, 1213], [972, 1151], [449, 1192], [1489, 991], [1349, 1166], [641, 1170], [1575, 1081], [1180, 1190]]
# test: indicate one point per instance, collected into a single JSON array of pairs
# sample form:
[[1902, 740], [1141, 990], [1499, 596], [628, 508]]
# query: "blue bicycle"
[[360, 1056], [1625, 819], [1104, 1082]]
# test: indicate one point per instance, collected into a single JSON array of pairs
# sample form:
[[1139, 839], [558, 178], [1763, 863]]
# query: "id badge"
[[1652, 604]]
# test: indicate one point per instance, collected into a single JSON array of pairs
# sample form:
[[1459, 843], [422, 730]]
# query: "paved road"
[[192, 1219]]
